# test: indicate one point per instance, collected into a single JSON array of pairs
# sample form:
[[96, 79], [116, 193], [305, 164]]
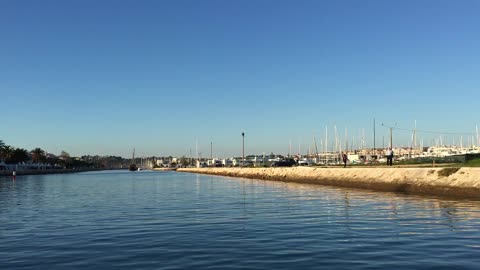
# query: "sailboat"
[[133, 166]]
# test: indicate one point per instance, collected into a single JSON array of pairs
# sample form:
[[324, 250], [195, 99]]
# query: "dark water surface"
[[169, 220]]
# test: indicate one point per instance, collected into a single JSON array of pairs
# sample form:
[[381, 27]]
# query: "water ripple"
[[147, 220]]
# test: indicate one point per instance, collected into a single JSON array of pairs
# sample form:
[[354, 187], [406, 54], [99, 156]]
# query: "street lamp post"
[[243, 148], [391, 139], [391, 131]]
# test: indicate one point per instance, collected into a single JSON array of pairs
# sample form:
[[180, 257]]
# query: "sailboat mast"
[[315, 144], [289, 148], [346, 139], [478, 141], [415, 135], [326, 143]]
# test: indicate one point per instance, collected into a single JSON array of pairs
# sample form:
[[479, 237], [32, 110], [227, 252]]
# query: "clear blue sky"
[[103, 77]]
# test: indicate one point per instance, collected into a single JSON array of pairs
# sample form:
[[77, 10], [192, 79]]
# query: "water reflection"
[[145, 219], [357, 211]]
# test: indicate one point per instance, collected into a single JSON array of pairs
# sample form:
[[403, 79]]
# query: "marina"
[[239, 135]]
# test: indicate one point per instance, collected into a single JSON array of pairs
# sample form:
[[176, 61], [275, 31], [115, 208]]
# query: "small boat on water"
[[133, 166]]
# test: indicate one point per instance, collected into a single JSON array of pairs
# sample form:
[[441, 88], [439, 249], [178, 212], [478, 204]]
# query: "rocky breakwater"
[[452, 182]]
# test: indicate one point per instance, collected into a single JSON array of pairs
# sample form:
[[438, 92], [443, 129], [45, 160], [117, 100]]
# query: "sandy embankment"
[[462, 183], [164, 169]]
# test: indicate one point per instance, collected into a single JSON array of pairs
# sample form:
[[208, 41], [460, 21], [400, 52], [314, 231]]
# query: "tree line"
[[13, 155]]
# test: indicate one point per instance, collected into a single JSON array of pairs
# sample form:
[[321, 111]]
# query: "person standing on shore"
[[389, 156], [345, 159]]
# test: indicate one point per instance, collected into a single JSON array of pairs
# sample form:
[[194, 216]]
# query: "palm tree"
[[2, 149], [65, 159], [38, 155], [7, 152], [19, 155]]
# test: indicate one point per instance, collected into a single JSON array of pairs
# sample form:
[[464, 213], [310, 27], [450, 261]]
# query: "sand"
[[164, 169], [461, 183]]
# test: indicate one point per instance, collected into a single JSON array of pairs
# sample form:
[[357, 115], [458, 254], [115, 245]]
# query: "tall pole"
[[243, 148], [478, 139], [326, 143], [336, 138], [326, 139], [211, 150], [289, 148], [374, 150], [391, 145], [316, 149], [415, 135], [346, 139], [391, 130]]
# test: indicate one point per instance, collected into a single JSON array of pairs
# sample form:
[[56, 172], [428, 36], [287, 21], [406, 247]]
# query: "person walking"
[[389, 156], [345, 159]]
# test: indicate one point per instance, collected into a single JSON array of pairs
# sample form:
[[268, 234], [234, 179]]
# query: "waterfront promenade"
[[9, 173], [452, 182]]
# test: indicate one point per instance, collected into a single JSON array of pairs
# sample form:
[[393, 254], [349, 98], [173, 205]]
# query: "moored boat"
[[133, 166]]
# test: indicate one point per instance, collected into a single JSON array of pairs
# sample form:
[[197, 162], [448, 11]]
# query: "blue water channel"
[[170, 220]]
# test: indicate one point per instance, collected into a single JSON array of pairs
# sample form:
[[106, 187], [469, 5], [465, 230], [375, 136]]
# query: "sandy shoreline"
[[164, 169], [451, 182]]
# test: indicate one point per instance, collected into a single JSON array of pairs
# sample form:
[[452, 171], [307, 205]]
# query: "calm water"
[[168, 220]]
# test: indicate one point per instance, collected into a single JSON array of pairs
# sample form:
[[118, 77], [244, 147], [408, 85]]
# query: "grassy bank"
[[472, 163]]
